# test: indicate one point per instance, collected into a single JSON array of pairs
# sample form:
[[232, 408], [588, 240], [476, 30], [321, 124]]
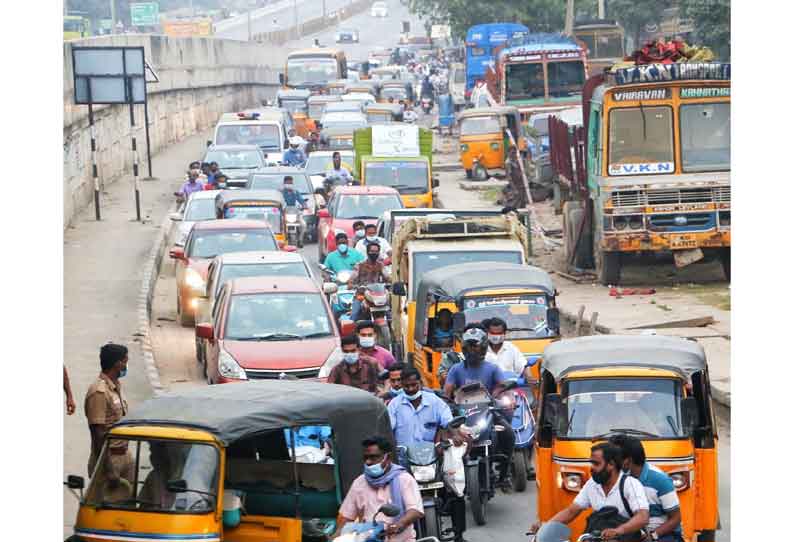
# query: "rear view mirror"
[[398, 288], [551, 414], [553, 319], [435, 183], [458, 322], [177, 253], [209, 143], [689, 414], [330, 288], [176, 486], [75, 482], [175, 217]]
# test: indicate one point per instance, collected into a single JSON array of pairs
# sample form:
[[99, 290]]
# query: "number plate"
[[433, 485], [679, 242]]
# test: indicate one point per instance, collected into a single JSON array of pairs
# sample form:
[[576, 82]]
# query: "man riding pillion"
[[369, 271], [417, 416], [371, 236], [383, 482], [343, 258], [293, 198], [338, 171], [474, 368], [502, 352], [294, 156], [619, 496]]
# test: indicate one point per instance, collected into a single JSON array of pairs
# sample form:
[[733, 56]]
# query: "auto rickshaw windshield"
[[525, 315], [646, 407], [155, 463], [480, 126], [250, 212]]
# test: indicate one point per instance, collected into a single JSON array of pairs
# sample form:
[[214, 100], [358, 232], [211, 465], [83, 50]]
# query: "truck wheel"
[[725, 258], [468, 174], [608, 266], [519, 470], [477, 501]]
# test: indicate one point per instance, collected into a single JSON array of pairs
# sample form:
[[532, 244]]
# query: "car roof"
[[374, 190], [286, 170], [232, 148], [204, 194], [231, 224], [259, 256], [262, 285], [342, 152]]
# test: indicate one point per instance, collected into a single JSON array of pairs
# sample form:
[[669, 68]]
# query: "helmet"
[[474, 336], [295, 141]]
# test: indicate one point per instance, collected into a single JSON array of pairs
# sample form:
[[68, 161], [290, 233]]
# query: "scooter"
[[294, 233], [427, 105], [517, 408], [341, 301]]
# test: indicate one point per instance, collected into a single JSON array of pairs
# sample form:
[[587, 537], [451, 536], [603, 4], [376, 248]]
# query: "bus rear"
[[481, 40]]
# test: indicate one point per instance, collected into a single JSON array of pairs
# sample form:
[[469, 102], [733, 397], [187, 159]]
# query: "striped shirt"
[[662, 497]]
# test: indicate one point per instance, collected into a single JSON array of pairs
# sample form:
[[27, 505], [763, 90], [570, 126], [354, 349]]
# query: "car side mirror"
[[175, 217], [209, 143], [177, 253], [75, 482], [204, 331], [398, 288], [281, 78], [458, 322], [434, 183], [290, 248], [323, 213], [689, 414], [553, 319], [330, 288], [552, 412], [176, 486]]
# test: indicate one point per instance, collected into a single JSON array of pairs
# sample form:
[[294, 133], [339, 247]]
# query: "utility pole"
[[569, 17], [602, 9]]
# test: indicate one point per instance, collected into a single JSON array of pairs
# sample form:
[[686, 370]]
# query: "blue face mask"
[[350, 357], [342, 249], [376, 470], [413, 397], [123, 373]]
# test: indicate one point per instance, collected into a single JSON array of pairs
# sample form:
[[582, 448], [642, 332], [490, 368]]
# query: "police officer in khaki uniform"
[[104, 406]]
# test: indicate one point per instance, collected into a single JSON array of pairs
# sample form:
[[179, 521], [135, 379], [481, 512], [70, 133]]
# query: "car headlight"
[[343, 276], [680, 480], [229, 368], [194, 280], [572, 481], [333, 360], [424, 473]]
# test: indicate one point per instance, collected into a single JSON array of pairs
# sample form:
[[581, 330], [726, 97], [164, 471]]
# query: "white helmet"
[[295, 140]]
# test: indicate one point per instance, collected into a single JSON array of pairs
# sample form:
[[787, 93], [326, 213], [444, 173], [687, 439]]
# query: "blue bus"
[[480, 42]]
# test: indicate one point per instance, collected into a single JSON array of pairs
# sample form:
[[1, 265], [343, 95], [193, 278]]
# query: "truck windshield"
[[648, 407], [311, 71], [525, 314], [524, 81], [153, 463], [405, 177], [480, 126], [641, 140], [424, 262], [565, 78], [706, 137], [609, 46]]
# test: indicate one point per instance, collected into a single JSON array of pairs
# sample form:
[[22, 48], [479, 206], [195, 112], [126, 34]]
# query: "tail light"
[[680, 480]]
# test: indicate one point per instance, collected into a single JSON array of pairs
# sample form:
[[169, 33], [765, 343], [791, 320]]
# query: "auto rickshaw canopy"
[[293, 94], [453, 282], [682, 356], [237, 411], [230, 197], [496, 111]]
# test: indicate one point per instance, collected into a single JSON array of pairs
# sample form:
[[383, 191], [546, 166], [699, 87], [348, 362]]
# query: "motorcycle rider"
[[338, 171], [366, 272], [474, 368], [189, 186], [393, 385], [371, 236], [355, 370], [293, 198], [343, 258], [504, 353], [359, 232], [418, 416], [382, 482], [294, 156], [366, 338], [410, 115]]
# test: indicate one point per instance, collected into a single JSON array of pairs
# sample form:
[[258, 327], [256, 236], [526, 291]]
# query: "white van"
[[267, 128]]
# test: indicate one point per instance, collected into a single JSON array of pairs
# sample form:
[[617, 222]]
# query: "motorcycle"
[[294, 227], [368, 531], [554, 531], [518, 409], [377, 308], [341, 301], [427, 105]]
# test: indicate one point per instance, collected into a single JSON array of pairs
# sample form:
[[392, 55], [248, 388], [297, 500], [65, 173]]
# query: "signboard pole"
[[94, 169], [134, 154]]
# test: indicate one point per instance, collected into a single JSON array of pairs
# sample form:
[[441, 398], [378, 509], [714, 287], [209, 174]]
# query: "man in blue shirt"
[[343, 258], [417, 416], [664, 524], [294, 156]]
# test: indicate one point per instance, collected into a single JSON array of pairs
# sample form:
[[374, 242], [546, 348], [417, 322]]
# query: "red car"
[[269, 327], [206, 240], [349, 204]]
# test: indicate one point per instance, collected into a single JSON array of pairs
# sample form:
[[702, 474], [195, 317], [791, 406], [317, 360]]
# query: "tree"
[[712, 20], [633, 15]]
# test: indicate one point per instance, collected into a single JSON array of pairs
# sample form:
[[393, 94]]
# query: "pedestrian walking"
[[514, 194]]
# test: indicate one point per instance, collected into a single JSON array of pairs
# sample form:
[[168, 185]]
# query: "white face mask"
[[371, 238], [496, 339], [366, 342]]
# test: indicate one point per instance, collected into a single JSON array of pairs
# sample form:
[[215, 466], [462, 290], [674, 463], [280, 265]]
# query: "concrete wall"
[[200, 78]]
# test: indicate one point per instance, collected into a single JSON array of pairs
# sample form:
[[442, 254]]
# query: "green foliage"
[[712, 20], [633, 15]]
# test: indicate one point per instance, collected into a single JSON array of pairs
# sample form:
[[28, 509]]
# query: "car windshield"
[[275, 181], [240, 159], [367, 205], [283, 269], [405, 177], [267, 136], [320, 163], [524, 81], [199, 209], [344, 121], [294, 106], [256, 212], [480, 126], [641, 140], [424, 262], [277, 316], [706, 137], [524, 314], [154, 463], [644, 406], [208, 244], [311, 70], [565, 78]]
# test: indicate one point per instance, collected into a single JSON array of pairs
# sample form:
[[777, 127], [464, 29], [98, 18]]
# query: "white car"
[[199, 206], [379, 9]]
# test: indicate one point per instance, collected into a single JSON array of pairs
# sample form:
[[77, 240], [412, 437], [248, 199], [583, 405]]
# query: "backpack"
[[609, 517]]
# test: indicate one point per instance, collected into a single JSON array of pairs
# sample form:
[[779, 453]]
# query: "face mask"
[[350, 357], [372, 257], [371, 238], [367, 342], [123, 373], [288, 187], [496, 339], [376, 470], [360, 233], [413, 397], [600, 477], [342, 249]]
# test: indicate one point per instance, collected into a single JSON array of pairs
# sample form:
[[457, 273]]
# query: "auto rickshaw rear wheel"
[[468, 174]]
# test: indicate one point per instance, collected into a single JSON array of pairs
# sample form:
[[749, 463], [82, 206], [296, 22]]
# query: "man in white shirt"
[[504, 353], [371, 236], [608, 486]]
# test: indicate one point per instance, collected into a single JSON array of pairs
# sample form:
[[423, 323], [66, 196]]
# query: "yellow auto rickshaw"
[[269, 460], [652, 387], [483, 138], [521, 295], [267, 205]]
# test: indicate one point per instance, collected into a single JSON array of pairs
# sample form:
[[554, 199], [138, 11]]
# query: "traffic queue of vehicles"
[[260, 313]]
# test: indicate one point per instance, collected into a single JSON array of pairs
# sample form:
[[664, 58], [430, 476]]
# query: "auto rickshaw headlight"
[[635, 222], [571, 481], [464, 147], [680, 480], [495, 146], [620, 222]]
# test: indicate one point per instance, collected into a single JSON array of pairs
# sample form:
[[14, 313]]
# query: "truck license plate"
[[679, 242]]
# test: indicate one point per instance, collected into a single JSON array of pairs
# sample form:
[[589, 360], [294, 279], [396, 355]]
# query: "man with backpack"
[[618, 500]]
